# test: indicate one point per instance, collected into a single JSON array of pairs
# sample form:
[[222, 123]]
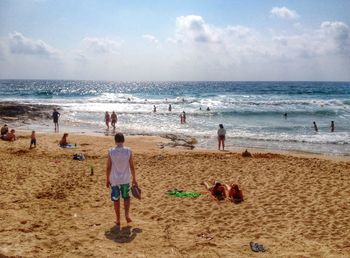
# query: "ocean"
[[251, 112]]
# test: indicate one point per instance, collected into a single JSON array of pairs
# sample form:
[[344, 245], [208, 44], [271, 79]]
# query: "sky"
[[179, 40]]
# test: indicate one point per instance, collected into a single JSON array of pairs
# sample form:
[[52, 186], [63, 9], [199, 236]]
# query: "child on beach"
[[120, 165], [32, 140], [63, 141], [217, 190]]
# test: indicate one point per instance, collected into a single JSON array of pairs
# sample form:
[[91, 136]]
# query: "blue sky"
[[175, 40]]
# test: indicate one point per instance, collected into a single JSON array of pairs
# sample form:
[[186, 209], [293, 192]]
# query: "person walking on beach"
[[154, 108], [315, 126], [169, 108], [107, 119], [221, 137], [32, 140], [120, 165], [332, 126], [55, 116], [114, 119]]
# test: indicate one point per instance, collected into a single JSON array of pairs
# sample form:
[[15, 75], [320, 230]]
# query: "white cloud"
[[197, 50], [193, 28], [19, 44], [284, 13], [339, 31], [150, 38], [332, 38], [242, 52], [102, 45]]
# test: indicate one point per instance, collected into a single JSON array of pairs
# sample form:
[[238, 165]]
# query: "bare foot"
[[117, 222], [128, 219]]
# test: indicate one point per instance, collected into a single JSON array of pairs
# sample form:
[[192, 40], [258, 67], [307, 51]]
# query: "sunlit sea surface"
[[251, 112]]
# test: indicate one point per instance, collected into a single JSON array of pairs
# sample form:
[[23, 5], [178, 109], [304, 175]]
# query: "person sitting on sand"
[[4, 130], [217, 190], [63, 141], [234, 193], [11, 136], [32, 140]]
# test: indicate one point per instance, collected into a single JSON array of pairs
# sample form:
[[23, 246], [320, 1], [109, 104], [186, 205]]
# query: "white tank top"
[[120, 172]]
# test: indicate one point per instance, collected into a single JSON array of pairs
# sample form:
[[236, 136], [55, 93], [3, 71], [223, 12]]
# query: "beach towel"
[[181, 193], [68, 146]]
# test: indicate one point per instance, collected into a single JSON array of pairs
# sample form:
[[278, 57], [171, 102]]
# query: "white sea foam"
[[250, 113]]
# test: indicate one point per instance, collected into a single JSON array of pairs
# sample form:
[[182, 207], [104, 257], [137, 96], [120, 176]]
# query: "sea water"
[[251, 112]]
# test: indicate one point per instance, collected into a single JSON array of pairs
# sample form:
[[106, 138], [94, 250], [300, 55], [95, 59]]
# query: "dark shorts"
[[118, 190], [33, 142], [222, 137], [55, 120]]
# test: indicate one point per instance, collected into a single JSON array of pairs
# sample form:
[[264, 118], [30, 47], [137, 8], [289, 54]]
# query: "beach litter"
[[256, 247], [78, 156]]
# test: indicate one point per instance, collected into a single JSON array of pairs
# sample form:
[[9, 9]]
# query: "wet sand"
[[51, 205]]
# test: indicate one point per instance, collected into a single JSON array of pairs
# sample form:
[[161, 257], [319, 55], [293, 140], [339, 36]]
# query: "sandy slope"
[[51, 206]]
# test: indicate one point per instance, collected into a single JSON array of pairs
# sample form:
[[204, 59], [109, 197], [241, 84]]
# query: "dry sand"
[[51, 206]]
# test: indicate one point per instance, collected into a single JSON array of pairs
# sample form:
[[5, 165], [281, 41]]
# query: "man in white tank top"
[[120, 165]]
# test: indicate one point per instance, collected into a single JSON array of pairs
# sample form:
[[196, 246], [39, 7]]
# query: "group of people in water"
[[111, 118], [332, 126]]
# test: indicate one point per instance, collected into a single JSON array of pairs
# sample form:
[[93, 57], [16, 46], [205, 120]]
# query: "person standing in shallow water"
[[120, 166], [114, 119], [221, 137], [107, 119], [55, 116], [332, 126], [315, 126]]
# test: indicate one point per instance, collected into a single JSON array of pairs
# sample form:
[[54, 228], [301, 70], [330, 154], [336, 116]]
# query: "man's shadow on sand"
[[122, 235]]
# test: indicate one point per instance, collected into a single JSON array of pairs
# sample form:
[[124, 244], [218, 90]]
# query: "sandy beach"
[[51, 205]]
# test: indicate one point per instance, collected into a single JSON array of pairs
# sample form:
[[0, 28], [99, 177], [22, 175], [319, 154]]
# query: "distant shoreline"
[[29, 116]]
